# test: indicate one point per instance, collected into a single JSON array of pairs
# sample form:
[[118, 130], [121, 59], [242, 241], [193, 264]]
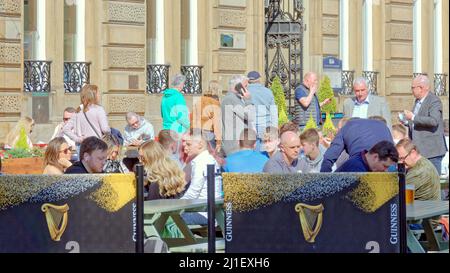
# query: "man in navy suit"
[[356, 136]]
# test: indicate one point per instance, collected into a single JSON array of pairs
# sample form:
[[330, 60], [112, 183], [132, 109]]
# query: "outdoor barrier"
[[314, 213], [70, 213]]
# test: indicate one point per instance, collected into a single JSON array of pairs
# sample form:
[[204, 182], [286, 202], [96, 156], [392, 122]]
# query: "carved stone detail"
[[232, 18], [401, 68], [401, 32], [10, 104], [10, 53], [126, 12], [232, 62], [124, 104], [127, 57], [10, 6], [330, 26]]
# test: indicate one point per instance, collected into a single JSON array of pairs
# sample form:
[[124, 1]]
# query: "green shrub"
[[328, 128], [280, 101], [325, 92], [22, 142], [310, 124]]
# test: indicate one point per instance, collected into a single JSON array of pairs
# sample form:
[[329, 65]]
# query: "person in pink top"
[[90, 119]]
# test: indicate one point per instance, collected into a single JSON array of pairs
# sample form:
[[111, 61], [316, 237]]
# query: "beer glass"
[[409, 194]]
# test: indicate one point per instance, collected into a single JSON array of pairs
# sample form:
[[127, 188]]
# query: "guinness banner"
[[316, 213], [68, 213]]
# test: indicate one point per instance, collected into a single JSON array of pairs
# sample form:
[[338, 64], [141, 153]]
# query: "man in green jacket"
[[174, 111]]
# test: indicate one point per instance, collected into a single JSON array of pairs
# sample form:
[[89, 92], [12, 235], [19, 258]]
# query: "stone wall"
[[116, 47], [11, 59]]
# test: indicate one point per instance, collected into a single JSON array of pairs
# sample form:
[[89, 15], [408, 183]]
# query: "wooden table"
[[157, 212], [424, 210]]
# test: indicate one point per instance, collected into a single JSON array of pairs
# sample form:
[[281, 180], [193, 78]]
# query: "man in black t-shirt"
[[93, 154]]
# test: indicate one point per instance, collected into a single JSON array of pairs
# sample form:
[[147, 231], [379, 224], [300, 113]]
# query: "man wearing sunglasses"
[[420, 171], [67, 114]]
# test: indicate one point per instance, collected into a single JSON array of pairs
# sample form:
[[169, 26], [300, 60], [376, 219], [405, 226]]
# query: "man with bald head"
[[285, 160], [425, 122], [307, 102]]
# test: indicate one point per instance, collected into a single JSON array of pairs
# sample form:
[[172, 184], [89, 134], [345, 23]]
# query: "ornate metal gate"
[[284, 45]]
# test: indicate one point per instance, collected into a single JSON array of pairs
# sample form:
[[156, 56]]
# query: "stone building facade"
[[120, 38]]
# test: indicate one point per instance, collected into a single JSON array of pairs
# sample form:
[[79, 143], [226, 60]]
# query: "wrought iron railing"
[[76, 75], [418, 74], [371, 78], [193, 84], [347, 77], [36, 76], [440, 84], [157, 78]]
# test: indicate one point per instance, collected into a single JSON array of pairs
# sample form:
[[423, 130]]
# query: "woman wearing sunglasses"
[[57, 156]]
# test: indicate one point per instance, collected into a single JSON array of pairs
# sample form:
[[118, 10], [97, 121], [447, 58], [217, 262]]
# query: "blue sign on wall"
[[332, 67], [332, 63]]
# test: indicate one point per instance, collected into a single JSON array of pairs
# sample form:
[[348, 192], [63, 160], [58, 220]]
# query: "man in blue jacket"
[[356, 136]]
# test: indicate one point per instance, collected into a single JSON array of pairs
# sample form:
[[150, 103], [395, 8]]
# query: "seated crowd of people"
[[176, 158]]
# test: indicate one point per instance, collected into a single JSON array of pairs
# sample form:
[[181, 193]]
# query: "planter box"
[[335, 118], [29, 165]]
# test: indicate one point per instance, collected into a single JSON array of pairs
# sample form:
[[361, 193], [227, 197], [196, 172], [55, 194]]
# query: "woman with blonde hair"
[[165, 177], [90, 119], [57, 156], [25, 123], [207, 117], [113, 163]]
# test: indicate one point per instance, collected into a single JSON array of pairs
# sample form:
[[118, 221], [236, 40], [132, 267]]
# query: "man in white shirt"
[[196, 147]]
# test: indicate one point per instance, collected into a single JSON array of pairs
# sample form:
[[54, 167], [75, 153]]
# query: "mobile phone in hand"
[[239, 89]]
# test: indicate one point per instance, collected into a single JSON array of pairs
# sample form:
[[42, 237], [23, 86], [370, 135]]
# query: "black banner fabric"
[[69, 213], [312, 213]]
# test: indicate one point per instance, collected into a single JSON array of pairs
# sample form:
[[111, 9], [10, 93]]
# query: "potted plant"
[[325, 92], [22, 159], [280, 101]]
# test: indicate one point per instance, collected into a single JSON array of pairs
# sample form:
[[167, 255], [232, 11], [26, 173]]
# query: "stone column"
[[398, 55], [122, 62], [230, 19], [11, 64]]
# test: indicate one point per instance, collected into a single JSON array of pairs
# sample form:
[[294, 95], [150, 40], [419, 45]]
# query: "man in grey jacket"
[[425, 122], [237, 113], [365, 105]]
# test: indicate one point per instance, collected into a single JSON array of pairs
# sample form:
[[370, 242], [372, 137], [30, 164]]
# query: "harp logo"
[[56, 217], [310, 215]]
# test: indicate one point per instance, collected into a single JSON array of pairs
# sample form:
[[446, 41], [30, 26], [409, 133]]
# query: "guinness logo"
[[310, 216], [56, 217]]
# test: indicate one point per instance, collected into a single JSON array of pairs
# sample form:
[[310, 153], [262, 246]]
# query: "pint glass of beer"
[[409, 193]]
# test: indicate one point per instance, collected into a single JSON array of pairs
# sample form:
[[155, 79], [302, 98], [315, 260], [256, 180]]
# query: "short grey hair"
[[132, 114], [360, 80], [178, 79], [423, 79], [235, 80]]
